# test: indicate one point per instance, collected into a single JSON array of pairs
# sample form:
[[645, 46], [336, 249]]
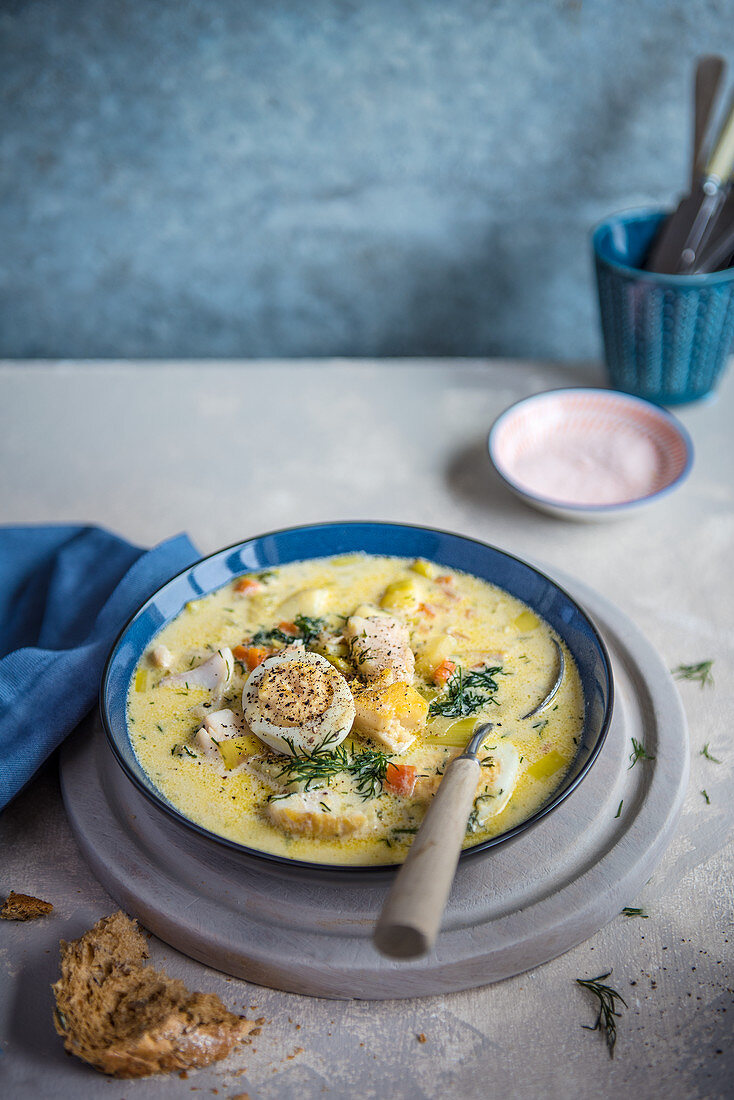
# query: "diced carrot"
[[288, 627], [425, 609], [247, 585], [251, 655], [443, 672], [400, 778], [444, 579]]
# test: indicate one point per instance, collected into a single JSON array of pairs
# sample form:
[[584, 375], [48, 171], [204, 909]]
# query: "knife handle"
[[721, 161], [709, 74]]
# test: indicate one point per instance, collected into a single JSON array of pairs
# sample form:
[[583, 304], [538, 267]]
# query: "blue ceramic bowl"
[[323, 540], [667, 338]]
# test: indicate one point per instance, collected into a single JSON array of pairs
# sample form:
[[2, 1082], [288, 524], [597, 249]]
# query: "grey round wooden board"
[[513, 909]]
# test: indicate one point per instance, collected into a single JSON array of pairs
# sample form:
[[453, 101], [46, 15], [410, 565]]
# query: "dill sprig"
[[705, 752], [705, 795], [263, 637], [606, 1020], [306, 629], [318, 768], [466, 692], [368, 769], [639, 752], [628, 911], [700, 672], [309, 628]]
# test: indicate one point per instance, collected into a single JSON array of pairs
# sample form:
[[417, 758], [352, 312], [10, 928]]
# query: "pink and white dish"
[[589, 454]]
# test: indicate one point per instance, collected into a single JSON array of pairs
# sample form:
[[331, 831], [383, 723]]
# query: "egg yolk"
[[294, 694]]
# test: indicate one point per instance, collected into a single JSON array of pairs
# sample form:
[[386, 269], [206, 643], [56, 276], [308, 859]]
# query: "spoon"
[[554, 690], [411, 916]]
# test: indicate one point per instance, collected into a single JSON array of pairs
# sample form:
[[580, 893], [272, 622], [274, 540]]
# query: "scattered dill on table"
[[628, 911], [639, 752], [619, 809], [606, 1020], [700, 672], [708, 800], [705, 752]]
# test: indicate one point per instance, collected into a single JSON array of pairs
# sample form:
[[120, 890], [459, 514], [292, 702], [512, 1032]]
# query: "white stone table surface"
[[228, 450]]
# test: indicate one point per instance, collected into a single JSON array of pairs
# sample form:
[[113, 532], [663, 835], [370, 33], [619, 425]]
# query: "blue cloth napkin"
[[65, 593]]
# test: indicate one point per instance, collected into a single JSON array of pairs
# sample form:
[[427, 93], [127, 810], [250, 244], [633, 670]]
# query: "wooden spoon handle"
[[411, 915]]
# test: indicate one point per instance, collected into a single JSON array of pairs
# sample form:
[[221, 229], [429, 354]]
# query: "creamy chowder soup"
[[311, 710]]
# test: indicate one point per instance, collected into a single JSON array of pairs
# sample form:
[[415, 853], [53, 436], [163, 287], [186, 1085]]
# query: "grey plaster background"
[[386, 177]]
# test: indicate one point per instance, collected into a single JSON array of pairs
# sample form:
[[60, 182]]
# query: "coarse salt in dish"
[[589, 453]]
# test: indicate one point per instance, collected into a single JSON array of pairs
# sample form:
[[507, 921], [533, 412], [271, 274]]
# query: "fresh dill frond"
[[705, 752], [639, 752], [606, 1020], [700, 672], [318, 768], [306, 629], [466, 693], [708, 800], [368, 768], [263, 637], [484, 678], [628, 911], [309, 628]]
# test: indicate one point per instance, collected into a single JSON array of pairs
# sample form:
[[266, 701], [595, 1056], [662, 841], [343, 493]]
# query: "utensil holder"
[[667, 338]]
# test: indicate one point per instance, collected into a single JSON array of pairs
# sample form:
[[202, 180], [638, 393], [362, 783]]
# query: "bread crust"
[[24, 907], [129, 1020]]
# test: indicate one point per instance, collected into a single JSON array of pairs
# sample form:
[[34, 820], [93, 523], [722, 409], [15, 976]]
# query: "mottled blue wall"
[[314, 177]]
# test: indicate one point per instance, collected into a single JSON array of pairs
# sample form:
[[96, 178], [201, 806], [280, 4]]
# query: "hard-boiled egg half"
[[297, 702]]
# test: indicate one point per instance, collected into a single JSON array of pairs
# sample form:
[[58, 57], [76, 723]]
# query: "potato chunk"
[[307, 601], [434, 652], [390, 715]]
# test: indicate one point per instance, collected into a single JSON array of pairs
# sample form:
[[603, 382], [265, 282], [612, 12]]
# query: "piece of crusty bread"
[[24, 907], [129, 1020]]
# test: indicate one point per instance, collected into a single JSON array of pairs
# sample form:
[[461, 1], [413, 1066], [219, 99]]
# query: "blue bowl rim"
[[345, 870], [595, 509], [646, 213]]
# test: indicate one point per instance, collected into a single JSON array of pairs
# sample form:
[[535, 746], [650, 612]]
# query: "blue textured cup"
[[667, 338]]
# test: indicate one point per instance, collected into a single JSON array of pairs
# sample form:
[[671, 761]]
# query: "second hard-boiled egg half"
[[297, 702]]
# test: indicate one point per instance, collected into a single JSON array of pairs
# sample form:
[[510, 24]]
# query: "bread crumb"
[[421, 1038], [129, 1020], [24, 907]]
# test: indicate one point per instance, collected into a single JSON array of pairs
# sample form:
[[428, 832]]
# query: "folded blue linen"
[[65, 593]]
